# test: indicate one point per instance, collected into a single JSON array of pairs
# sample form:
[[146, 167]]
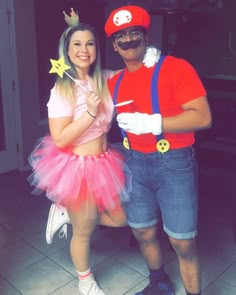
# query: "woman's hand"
[[93, 101]]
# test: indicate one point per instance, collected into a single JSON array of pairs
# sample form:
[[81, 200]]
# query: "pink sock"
[[83, 275]]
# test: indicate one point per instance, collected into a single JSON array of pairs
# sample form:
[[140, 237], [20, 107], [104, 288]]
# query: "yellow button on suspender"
[[126, 143], [163, 145]]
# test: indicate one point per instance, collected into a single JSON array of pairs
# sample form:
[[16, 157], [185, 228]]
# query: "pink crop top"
[[59, 107]]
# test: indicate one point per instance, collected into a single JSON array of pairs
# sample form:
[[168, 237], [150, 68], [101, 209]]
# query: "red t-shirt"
[[178, 83]]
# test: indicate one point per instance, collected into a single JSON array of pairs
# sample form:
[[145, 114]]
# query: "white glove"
[[139, 123], [151, 56]]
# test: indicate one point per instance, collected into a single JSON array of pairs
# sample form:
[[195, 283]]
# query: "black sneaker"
[[162, 288]]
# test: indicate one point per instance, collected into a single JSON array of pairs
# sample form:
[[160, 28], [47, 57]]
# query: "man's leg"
[[188, 264], [178, 198], [149, 246], [151, 251], [143, 216]]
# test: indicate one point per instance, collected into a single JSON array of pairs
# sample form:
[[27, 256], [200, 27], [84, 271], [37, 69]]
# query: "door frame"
[[10, 157]]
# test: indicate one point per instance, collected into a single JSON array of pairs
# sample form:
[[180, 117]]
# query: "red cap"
[[125, 17]]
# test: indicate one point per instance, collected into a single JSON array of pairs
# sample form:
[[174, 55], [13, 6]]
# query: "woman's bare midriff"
[[95, 147]]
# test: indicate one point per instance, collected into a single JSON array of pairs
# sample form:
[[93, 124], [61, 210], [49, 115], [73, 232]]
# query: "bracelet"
[[91, 114]]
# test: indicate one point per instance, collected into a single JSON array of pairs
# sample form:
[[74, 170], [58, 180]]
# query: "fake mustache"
[[130, 44]]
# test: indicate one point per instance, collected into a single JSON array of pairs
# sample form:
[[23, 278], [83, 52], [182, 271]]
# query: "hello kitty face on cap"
[[122, 17]]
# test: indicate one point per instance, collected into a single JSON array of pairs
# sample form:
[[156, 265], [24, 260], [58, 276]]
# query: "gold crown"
[[72, 20]]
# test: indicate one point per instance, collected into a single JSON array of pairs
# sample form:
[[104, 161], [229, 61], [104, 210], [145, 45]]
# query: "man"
[[169, 104]]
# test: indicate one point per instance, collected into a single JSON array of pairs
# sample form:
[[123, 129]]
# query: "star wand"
[[59, 67]]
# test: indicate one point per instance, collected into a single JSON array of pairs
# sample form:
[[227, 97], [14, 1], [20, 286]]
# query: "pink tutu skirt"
[[71, 180]]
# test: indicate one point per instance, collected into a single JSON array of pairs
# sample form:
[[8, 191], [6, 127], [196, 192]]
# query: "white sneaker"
[[57, 218], [89, 288]]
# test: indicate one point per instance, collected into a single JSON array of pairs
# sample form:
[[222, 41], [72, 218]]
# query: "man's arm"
[[196, 116]]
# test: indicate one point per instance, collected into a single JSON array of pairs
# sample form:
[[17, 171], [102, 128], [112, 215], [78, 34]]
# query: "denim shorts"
[[164, 188]]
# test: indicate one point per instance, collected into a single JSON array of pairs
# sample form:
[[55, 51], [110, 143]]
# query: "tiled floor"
[[29, 266]]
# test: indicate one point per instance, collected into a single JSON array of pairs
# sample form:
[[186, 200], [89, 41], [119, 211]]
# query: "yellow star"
[[58, 66]]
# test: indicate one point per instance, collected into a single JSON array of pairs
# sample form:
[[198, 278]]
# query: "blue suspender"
[[117, 86], [154, 92], [115, 97]]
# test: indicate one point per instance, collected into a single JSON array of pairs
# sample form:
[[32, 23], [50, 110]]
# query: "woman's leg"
[[83, 228], [58, 217], [113, 218]]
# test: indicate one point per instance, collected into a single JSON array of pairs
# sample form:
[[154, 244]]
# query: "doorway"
[[8, 137]]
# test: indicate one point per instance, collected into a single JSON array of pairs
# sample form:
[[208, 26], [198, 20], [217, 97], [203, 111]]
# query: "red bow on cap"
[[125, 17]]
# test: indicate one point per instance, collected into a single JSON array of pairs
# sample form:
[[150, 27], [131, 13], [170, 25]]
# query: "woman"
[[74, 165]]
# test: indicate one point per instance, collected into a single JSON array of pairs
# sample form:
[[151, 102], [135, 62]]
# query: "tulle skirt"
[[73, 181]]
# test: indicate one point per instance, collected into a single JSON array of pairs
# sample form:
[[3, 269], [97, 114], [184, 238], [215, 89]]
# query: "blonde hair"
[[66, 85]]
